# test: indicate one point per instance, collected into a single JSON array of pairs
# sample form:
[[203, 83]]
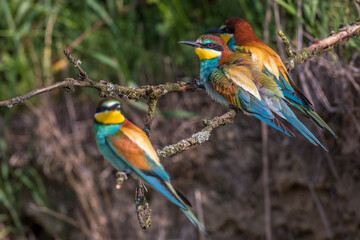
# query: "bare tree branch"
[[199, 137], [320, 47], [107, 89], [150, 115], [153, 93]]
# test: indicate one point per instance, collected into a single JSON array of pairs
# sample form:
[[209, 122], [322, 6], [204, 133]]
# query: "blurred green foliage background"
[[135, 36], [128, 43]]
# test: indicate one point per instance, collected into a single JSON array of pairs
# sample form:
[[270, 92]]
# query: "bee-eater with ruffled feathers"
[[234, 78], [240, 37], [129, 150]]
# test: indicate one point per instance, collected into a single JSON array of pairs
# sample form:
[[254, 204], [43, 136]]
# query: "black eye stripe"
[[218, 47], [100, 109], [228, 30], [214, 46]]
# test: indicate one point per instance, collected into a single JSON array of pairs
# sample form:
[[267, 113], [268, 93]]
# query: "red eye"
[[210, 45]]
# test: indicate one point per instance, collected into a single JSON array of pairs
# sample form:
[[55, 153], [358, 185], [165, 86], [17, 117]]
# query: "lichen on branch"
[[153, 93], [320, 47], [199, 137]]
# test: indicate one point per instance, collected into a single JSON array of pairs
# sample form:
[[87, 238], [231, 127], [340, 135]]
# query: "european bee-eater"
[[240, 37], [234, 78], [129, 150]]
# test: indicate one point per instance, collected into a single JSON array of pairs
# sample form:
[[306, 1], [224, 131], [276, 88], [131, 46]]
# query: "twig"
[[357, 5], [287, 45], [84, 35], [320, 47], [143, 210], [83, 75], [199, 137], [150, 114], [99, 24], [62, 217], [68, 83], [321, 211]]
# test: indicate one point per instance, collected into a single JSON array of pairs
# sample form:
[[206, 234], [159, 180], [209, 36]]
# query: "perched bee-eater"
[[234, 78], [240, 37], [129, 150]]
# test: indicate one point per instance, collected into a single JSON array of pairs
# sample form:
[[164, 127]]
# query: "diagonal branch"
[[153, 93], [341, 36], [82, 74], [199, 137], [99, 24]]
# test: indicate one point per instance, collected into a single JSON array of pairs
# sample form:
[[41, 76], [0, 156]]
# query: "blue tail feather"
[[190, 215], [296, 98], [165, 188], [259, 110], [291, 118]]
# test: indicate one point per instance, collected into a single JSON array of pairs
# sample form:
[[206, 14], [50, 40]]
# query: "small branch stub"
[[150, 114], [287, 45], [121, 177], [76, 63]]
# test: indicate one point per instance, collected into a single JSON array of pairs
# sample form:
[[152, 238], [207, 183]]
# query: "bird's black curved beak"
[[215, 30], [191, 43]]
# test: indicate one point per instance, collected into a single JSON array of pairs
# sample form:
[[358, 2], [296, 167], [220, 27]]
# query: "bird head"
[[207, 47], [108, 112], [227, 30]]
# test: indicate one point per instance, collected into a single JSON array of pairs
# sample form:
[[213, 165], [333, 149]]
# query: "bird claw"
[[121, 177], [198, 82], [234, 108]]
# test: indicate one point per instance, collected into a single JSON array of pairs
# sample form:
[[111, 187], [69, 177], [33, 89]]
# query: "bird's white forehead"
[[111, 103]]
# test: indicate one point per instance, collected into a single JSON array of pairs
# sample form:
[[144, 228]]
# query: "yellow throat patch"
[[111, 117], [205, 54], [226, 37]]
